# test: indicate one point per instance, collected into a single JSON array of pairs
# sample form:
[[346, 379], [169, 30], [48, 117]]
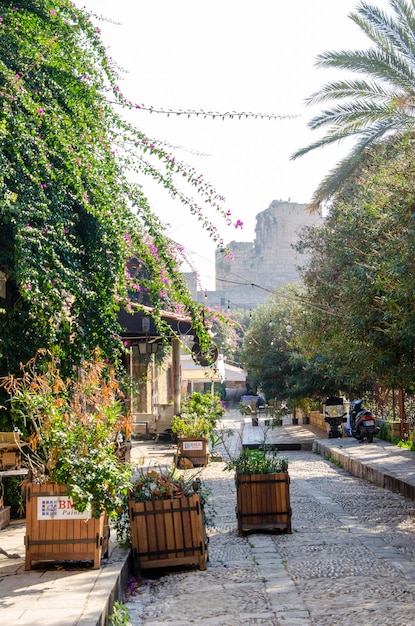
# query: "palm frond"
[[321, 143], [405, 15], [335, 179], [375, 106], [374, 63], [385, 32], [351, 88], [352, 116]]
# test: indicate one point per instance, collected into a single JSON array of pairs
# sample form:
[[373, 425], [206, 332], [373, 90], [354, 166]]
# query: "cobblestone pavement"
[[349, 560]]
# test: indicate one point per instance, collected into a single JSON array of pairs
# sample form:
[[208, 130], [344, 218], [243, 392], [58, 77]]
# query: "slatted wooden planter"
[[263, 502], [10, 457], [167, 533], [55, 531], [194, 449]]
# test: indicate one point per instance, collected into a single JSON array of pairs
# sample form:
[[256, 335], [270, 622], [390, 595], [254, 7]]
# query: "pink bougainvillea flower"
[[230, 256], [41, 111], [239, 224]]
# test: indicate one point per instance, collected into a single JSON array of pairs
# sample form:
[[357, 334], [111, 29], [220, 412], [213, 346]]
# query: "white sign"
[[192, 445], [59, 507]]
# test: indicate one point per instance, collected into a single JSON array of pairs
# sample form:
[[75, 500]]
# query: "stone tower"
[[266, 264]]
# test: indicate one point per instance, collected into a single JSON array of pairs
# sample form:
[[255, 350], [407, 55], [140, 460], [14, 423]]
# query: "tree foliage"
[[70, 217], [275, 356], [362, 273]]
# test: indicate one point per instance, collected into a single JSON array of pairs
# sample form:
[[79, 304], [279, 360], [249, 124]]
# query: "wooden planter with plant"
[[167, 522], [195, 425], [262, 491], [75, 479], [194, 449], [56, 531]]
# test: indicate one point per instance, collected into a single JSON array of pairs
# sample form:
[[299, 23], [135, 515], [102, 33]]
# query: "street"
[[349, 560]]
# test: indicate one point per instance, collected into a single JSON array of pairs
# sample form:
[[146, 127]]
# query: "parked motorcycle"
[[361, 422]]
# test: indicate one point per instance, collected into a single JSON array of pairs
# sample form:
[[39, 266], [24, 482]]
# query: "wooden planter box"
[[263, 502], [194, 449], [167, 533], [10, 456], [55, 531]]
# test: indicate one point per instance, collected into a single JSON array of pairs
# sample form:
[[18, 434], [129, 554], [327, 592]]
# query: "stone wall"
[[267, 263]]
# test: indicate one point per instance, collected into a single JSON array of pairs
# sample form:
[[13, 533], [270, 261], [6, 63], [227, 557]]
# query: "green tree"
[[362, 272], [70, 217], [374, 106], [274, 355]]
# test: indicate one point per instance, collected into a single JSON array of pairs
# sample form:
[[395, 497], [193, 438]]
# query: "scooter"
[[361, 422]]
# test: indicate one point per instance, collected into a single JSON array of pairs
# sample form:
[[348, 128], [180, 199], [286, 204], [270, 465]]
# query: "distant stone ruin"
[[269, 261]]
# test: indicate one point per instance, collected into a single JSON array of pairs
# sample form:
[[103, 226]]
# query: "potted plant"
[[262, 490], [166, 516], [194, 426], [75, 479]]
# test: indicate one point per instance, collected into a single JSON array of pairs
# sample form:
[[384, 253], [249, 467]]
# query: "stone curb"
[[373, 463]]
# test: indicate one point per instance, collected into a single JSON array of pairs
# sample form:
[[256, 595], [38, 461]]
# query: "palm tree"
[[374, 107]]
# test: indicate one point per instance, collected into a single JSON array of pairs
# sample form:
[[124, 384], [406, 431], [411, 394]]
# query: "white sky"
[[221, 55]]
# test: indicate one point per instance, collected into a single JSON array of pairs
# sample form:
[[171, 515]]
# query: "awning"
[[141, 324]]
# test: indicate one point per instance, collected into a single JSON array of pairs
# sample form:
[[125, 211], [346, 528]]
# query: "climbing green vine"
[[70, 217]]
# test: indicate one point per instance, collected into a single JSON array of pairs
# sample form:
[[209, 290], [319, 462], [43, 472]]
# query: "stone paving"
[[349, 560]]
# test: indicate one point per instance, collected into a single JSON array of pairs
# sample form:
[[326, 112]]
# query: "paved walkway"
[[349, 560]]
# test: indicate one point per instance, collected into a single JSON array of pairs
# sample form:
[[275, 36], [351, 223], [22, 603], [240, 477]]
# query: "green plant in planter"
[[199, 416], [72, 425], [259, 461], [151, 484]]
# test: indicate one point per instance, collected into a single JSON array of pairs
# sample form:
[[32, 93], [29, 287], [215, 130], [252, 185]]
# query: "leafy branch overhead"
[[72, 209]]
